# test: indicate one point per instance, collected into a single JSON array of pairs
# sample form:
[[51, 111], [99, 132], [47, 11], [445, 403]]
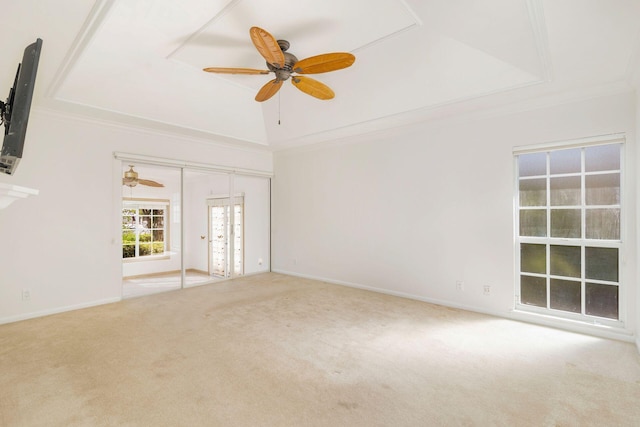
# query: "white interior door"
[[226, 237], [238, 239], [218, 241]]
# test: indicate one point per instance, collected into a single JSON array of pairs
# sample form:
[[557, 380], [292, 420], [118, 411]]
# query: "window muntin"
[[144, 228], [568, 225]]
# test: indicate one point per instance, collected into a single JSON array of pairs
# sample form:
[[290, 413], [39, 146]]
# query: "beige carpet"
[[272, 350], [148, 284]]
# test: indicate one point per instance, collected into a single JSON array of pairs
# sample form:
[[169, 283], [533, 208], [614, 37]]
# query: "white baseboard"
[[609, 333], [445, 303], [42, 313]]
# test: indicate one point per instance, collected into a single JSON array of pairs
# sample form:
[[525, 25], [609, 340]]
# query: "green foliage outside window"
[[144, 229]]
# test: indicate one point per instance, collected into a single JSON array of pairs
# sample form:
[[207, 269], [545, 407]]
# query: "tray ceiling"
[[139, 62]]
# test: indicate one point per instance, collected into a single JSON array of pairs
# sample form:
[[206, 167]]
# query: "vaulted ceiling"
[[139, 62]]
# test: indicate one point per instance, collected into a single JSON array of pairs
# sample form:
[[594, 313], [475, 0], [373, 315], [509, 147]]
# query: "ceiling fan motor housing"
[[284, 72], [131, 174], [130, 177]]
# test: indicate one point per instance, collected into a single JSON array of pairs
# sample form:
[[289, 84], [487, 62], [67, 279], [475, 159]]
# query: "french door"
[[226, 236]]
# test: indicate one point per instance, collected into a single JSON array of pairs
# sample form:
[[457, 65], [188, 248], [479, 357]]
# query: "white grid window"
[[568, 232], [144, 228]]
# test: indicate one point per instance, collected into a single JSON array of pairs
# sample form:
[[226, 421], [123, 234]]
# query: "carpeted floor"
[[273, 350], [148, 284]]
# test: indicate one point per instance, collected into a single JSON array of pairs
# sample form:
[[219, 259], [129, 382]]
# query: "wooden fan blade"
[[268, 90], [312, 87], [268, 47], [226, 70], [149, 183], [324, 63]]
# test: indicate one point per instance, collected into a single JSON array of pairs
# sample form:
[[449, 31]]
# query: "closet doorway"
[[188, 231]]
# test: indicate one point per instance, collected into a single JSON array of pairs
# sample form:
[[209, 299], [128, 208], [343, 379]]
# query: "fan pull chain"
[[279, 107]]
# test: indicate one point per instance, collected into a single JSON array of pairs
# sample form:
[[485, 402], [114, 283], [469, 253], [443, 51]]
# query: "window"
[[144, 228], [568, 232]]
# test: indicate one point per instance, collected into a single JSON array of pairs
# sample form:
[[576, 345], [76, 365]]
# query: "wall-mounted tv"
[[15, 111]]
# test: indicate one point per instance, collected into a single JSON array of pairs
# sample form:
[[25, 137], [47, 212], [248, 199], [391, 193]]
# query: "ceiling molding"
[[91, 25], [507, 109], [65, 110], [417, 22], [163, 161], [402, 118], [228, 8], [539, 27]]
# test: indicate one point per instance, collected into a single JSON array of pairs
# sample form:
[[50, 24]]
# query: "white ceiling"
[[139, 62]]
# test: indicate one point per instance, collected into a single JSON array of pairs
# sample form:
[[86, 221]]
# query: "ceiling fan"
[[131, 179], [284, 64]]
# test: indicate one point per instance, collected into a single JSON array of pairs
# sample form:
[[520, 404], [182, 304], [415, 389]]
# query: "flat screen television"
[[15, 111]]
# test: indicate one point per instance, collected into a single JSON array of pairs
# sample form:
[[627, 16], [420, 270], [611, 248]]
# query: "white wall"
[[61, 244], [412, 211]]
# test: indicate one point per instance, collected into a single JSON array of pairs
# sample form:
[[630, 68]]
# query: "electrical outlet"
[[487, 290], [26, 295], [459, 285], [259, 261]]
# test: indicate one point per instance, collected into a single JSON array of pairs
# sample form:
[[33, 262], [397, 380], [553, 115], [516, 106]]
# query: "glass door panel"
[[151, 229], [200, 239], [193, 227], [226, 241], [218, 241], [238, 237], [255, 219]]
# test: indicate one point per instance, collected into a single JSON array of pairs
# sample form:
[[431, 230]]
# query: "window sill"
[[618, 331], [147, 258]]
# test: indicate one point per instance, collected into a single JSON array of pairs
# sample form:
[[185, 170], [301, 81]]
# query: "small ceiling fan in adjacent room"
[[131, 179], [285, 64]]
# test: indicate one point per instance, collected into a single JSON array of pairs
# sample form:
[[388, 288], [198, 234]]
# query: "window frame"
[[142, 203], [582, 242]]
